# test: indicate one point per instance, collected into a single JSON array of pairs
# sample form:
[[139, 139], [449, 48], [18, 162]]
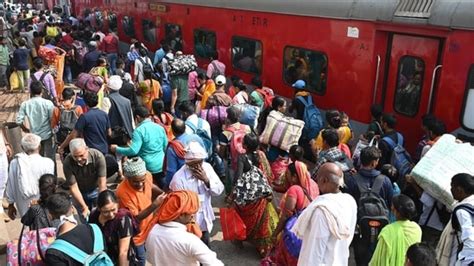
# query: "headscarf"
[[177, 203], [304, 177]]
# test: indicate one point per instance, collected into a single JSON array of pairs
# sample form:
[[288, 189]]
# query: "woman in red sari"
[[301, 192], [252, 196]]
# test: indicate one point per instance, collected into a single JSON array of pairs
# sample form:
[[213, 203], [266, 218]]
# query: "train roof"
[[446, 13]]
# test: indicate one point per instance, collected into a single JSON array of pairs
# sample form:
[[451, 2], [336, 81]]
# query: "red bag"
[[233, 228], [267, 97], [236, 143], [216, 116], [89, 82]]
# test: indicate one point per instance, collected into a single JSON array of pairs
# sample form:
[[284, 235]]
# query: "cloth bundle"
[[182, 65]]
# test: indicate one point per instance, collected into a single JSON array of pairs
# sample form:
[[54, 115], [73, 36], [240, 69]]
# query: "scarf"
[[302, 93], [178, 148], [304, 177]]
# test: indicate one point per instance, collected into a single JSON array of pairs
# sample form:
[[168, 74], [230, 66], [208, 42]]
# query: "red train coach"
[[412, 56]]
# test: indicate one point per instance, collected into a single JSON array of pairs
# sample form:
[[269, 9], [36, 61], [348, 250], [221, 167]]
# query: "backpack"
[[215, 71], [46, 94], [67, 121], [443, 214], [206, 139], [266, 97], [372, 211], [146, 67], [313, 121], [98, 258], [236, 143], [400, 159], [455, 222], [89, 82]]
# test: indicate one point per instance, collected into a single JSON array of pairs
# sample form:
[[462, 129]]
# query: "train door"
[[412, 62]]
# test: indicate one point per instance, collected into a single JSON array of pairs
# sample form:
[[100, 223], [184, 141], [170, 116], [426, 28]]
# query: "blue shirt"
[[94, 126], [20, 58], [149, 142], [38, 111], [173, 162]]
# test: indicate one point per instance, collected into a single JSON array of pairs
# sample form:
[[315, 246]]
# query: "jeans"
[[47, 149], [3, 76], [206, 238], [112, 60], [67, 76], [140, 253], [90, 198], [23, 76]]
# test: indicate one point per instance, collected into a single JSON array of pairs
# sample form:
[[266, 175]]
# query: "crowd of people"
[[172, 142]]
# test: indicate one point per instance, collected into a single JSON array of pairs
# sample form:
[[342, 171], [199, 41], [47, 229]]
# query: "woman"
[[118, 227], [36, 217], [334, 120], [278, 104], [301, 192], [206, 91], [252, 196], [5, 154], [241, 96], [150, 89], [395, 239], [162, 118]]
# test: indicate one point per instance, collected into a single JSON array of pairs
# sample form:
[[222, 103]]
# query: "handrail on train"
[[433, 77], [377, 72]]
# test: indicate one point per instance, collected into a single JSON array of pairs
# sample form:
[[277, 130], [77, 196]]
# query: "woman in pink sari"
[[301, 192]]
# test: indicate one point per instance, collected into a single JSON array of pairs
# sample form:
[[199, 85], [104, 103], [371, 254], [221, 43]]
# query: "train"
[[413, 57]]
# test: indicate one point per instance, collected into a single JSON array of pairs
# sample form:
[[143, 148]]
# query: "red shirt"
[[67, 39], [110, 44]]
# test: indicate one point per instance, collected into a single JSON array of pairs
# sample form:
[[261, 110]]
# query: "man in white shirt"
[[25, 171], [199, 176], [174, 239], [327, 225]]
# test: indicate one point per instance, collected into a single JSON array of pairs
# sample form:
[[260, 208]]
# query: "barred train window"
[[174, 37], [149, 30], [308, 65], [128, 26], [204, 43], [409, 84], [99, 19], [468, 107], [247, 54], [112, 17]]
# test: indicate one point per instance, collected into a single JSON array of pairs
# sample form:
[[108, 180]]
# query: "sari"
[[307, 188]]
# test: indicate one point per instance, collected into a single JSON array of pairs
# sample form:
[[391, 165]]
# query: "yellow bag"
[[14, 81]]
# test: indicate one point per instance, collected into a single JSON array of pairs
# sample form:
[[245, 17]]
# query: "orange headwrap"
[[303, 176], [177, 203]]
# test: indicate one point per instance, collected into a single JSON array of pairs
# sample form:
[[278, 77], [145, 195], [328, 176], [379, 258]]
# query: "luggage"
[[182, 65], [281, 131], [89, 82], [361, 144], [400, 158], [67, 121], [206, 139], [233, 228], [29, 249], [267, 96], [216, 116], [14, 81], [248, 114], [313, 121], [236, 143]]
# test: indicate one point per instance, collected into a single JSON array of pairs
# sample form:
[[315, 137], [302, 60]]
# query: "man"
[[297, 105], [188, 115], [388, 125], [331, 152], [38, 112], [25, 171], [261, 96], [91, 57], [46, 80], [99, 33], [219, 97], [170, 242], [215, 67], [176, 150], [232, 126], [140, 64], [139, 195], [159, 54], [149, 141], [179, 86], [118, 107], [93, 126], [421, 254], [368, 179], [85, 172], [21, 57], [81, 236], [110, 47], [199, 176], [435, 130], [4, 62], [327, 225]]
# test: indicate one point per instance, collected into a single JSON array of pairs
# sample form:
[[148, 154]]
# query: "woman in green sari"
[[396, 238]]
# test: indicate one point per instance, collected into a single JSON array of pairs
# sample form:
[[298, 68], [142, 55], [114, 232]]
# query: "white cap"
[[220, 80], [115, 83]]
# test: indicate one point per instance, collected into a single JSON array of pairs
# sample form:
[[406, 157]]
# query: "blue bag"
[[206, 139], [400, 159], [313, 121], [98, 258], [248, 114], [292, 242], [166, 88]]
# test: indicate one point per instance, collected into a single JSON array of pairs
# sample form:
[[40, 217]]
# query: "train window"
[[409, 84], [308, 65], [204, 43], [173, 37], [128, 26], [247, 54], [467, 119], [99, 20], [149, 30], [112, 17]]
